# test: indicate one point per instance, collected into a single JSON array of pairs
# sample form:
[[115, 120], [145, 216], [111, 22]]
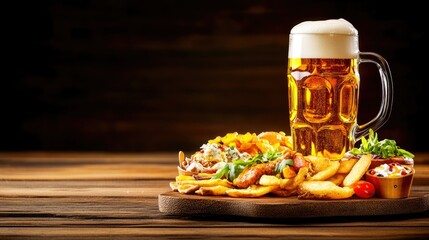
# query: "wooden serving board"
[[288, 207]]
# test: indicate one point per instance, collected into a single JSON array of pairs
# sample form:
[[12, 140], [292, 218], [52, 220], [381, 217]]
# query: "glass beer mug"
[[323, 87]]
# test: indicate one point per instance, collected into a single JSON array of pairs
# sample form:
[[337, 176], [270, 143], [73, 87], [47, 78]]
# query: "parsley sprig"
[[232, 169], [386, 148]]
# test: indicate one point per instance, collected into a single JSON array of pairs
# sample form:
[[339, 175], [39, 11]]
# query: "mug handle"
[[386, 94]]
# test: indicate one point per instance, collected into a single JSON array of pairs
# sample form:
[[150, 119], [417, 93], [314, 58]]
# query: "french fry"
[[338, 178], [326, 173], [269, 180], [346, 165], [187, 188], [294, 182], [181, 180], [323, 190], [252, 191], [213, 191], [358, 170], [318, 163]]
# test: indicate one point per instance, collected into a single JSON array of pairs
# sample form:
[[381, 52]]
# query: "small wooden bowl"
[[393, 186]]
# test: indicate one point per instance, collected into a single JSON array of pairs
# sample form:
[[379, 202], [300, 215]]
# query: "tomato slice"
[[364, 189]]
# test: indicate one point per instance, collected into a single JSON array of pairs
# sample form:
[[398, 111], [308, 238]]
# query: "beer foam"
[[330, 26], [332, 38]]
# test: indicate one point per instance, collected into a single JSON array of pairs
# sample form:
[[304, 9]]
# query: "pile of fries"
[[285, 173]]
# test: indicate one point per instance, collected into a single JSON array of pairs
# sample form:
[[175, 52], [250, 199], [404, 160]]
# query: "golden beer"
[[323, 88], [323, 105]]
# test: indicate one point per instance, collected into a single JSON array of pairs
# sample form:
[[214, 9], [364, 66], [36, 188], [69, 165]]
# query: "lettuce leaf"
[[386, 148], [232, 169]]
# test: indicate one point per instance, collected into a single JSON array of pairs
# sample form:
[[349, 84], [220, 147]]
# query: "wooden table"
[[60, 195]]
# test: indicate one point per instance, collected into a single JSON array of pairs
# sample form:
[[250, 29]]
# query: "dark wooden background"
[[169, 75]]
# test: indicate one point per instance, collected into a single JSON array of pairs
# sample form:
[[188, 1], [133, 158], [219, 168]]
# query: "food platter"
[[277, 182], [175, 203]]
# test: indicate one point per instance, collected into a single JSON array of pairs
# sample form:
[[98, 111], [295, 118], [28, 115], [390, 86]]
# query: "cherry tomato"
[[364, 189]]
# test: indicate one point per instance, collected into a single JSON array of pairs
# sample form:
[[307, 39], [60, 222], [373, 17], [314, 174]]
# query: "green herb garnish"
[[386, 148], [280, 166], [232, 169]]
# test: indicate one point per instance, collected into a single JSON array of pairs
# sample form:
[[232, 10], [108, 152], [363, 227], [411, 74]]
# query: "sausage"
[[252, 174]]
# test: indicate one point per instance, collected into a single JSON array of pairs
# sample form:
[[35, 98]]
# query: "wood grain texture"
[[290, 207], [90, 171], [123, 205], [215, 233]]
